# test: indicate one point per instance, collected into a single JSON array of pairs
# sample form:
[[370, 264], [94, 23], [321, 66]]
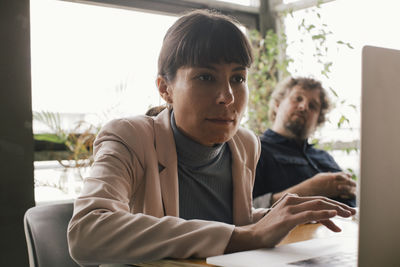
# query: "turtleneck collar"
[[190, 152]]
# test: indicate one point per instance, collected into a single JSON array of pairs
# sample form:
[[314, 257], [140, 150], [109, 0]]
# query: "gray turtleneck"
[[205, 179]]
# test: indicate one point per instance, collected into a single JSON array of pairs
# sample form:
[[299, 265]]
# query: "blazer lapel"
[[167, 163], [241, 178], [168, 172]]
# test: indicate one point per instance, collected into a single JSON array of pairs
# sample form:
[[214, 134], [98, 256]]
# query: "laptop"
[[379, 211]]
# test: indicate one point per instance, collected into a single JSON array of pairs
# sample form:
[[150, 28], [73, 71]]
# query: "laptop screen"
[[380, 158]]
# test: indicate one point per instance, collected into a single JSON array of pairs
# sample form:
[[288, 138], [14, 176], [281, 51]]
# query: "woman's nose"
[[225, 95]]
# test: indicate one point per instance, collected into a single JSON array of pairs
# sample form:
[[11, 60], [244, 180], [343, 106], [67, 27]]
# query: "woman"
[[179, 184]]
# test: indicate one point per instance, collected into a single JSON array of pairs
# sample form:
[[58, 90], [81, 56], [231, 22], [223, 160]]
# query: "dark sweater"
[[283, 164], [205, 179]]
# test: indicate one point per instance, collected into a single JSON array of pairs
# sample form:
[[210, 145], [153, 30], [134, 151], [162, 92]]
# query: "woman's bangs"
[[217, 45]]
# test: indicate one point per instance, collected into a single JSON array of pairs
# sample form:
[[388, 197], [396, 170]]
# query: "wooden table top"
[[304, 232]]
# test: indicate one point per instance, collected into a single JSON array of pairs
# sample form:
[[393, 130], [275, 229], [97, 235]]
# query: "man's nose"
[[303, 105], [225, 94]]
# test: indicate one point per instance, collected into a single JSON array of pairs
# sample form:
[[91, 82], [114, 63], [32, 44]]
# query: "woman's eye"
[[238, 79], [205, 77]]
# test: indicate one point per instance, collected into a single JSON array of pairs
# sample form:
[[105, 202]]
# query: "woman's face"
[[208, 101]]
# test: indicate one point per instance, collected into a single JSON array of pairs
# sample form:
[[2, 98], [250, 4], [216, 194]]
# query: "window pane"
[[89, 63], [375, 25], [254, 3], [90, 59]]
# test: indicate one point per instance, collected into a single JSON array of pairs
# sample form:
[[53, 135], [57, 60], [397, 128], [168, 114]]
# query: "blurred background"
[[92, 63], [68, 67]]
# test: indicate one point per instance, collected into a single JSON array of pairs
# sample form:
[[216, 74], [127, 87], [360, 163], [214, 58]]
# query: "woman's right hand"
[[288, 212]]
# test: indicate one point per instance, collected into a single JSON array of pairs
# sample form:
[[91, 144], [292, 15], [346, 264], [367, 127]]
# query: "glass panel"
[[89, 63], [254, 3], [375, 25], [290, 1]]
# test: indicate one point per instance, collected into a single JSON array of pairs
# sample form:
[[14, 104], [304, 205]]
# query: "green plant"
[[320, 42], [264, 76], [271, 64], [78, 141]]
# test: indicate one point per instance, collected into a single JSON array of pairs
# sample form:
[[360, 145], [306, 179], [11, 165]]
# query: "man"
[[288, 163]]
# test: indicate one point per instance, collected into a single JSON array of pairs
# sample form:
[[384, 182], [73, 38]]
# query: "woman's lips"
[[223, 121]]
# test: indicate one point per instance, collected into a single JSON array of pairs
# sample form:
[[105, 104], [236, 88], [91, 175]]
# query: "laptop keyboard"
[[346, 259]]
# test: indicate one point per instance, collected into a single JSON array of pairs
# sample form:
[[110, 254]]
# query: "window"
[[89, 63], [243, 2], [359, 23], [96, 63]]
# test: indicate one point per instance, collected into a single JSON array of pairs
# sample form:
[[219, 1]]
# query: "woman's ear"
[[164, 89]]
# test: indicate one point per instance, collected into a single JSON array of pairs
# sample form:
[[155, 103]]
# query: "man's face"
[[297, 113]]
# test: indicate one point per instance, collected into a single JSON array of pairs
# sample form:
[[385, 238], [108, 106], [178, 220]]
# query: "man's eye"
[[314, 106], [299, 99], [205, 77]]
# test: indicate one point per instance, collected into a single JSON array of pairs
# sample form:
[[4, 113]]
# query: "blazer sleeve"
[[104, 230], [258, 213]]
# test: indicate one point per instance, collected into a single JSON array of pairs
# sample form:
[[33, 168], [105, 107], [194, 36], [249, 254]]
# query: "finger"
[[319, 204], [340, 176], [351, 194], [291, 200], [311, 215], [345, 178], [286, 195], [348, 175], [347, 195], [351, 182], [331, 225], [346, 189]]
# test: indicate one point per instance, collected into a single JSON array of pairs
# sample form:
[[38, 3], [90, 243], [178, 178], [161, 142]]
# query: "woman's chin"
[[219, 139]]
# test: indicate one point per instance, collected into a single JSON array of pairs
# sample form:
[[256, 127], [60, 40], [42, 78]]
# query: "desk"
[[349, 228]]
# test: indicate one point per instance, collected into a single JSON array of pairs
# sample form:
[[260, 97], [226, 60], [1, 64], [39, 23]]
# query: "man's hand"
[[327, 184], [338, 184], [285, 214]]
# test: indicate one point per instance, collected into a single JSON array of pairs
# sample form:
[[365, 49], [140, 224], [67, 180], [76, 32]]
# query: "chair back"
[[46, 235]]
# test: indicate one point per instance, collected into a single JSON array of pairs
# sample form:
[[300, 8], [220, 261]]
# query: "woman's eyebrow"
[[207, 67], [211, 67], [239, 68]]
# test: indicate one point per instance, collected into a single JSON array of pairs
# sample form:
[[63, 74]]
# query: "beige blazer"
[[128, 210]]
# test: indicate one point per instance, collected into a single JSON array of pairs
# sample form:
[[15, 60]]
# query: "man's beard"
[[297, 128]]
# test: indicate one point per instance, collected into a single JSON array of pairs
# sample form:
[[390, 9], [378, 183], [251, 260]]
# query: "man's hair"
[[283, 88]]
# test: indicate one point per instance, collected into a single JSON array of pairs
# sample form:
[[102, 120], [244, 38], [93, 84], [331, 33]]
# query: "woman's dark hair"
[[154, 111], [200, 38]]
